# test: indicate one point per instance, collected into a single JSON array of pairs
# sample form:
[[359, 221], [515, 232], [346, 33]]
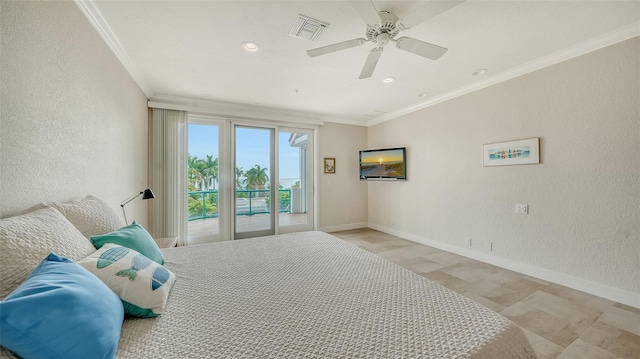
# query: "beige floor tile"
[[426, 266], [626, 346], [471, 270], [501, 291], [545, 349], [578, 298], [622, 319], [384, 246], [617, 341], [577, 314], [627, 308], [548, 326], [445, 258], [446, 279], [484, 301], [581, 350]]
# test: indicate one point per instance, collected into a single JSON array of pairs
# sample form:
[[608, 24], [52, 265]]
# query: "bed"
[[311, 295]]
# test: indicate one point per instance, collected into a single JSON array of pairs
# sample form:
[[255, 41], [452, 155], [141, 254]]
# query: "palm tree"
[[240, 181], [210, 171], [194, 173], [257, 177]]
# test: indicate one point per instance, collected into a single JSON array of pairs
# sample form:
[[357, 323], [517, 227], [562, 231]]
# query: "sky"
[[253, 145]]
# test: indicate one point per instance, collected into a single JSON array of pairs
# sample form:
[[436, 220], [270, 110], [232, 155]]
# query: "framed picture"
[[520, 152], [329, 165]]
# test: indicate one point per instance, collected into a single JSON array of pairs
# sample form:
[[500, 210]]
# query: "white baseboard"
[[344, 227], [598, 289]]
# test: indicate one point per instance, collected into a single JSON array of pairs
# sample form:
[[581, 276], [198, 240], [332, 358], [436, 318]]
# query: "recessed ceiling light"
[[424, 94], [479, 72], [250, 46], [388, 80]]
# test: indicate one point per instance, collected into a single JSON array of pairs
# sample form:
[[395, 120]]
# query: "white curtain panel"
[[168, 173]]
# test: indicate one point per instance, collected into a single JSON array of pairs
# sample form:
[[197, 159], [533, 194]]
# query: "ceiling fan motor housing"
[[387, 26]]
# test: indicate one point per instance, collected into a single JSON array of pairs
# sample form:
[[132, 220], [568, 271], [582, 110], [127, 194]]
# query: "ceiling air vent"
[[307, 28]]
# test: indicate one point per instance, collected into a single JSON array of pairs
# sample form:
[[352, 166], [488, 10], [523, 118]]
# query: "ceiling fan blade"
[[431, 9], [366, 11], [370, 64], [335, 47], [421, 48]]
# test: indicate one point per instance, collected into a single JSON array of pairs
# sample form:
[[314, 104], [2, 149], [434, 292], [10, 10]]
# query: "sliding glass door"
[[295, 170], [246, 180], [207, 173], [254, 193]]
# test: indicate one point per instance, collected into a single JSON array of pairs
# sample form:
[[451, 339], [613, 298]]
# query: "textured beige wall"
[[73, 122], [584, 197], [342, 197]]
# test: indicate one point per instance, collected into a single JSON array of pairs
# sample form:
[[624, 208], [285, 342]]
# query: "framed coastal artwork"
[[329, 165], [520, 152]]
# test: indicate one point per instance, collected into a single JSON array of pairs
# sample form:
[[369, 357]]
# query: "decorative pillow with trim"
[[142, 284], [133, 236], [61, 311], [27, 238]]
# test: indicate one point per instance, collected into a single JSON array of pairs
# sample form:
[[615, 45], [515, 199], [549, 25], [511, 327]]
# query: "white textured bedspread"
[[311, 295]]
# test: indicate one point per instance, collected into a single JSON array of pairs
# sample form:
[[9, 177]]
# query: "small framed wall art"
[[520, 152], [329, 165]]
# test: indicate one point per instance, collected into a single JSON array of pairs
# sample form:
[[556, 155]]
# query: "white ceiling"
[[192, 50]]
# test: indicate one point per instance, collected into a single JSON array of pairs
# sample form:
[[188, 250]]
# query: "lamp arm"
[[130, 199]]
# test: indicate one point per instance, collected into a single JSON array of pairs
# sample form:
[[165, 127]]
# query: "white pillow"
[[91, 215], [142, 284], [27, 238]]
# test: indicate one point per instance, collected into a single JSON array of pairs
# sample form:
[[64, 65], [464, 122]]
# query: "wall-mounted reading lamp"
[[146, 194]]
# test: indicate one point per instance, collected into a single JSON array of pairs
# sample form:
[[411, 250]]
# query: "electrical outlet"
[[522, 208], [467, 242], [346, 219]]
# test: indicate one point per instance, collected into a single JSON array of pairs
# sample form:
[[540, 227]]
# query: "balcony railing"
[[204, 204]]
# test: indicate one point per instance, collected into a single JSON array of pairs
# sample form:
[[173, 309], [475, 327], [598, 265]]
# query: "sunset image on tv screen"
[[383, 163]]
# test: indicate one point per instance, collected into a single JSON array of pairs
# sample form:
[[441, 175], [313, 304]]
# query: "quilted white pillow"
[[142, 284], [27, 238], [91, 215]]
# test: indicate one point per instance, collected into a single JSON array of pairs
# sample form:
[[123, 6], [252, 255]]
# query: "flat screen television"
[[384, 164]]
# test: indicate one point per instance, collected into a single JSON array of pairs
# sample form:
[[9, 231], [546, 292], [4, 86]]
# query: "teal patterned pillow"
[[142, 284], [133, 236]]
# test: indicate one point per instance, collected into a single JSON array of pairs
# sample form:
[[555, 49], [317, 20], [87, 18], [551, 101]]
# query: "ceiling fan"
[[383, 27]]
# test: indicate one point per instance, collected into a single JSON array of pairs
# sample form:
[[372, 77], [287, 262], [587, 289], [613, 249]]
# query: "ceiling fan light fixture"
[[250, 46], [383, 27], [388, 80], [479, 72]]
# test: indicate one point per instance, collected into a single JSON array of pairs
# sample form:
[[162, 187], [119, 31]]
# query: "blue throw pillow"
[[133, 236], [61, 311]]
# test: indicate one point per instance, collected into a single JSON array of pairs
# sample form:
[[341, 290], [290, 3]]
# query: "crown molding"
[[91, 12], [231, 109], [608, 39]]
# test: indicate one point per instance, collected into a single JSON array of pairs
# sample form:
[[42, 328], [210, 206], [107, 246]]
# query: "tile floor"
[[560, 322]]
